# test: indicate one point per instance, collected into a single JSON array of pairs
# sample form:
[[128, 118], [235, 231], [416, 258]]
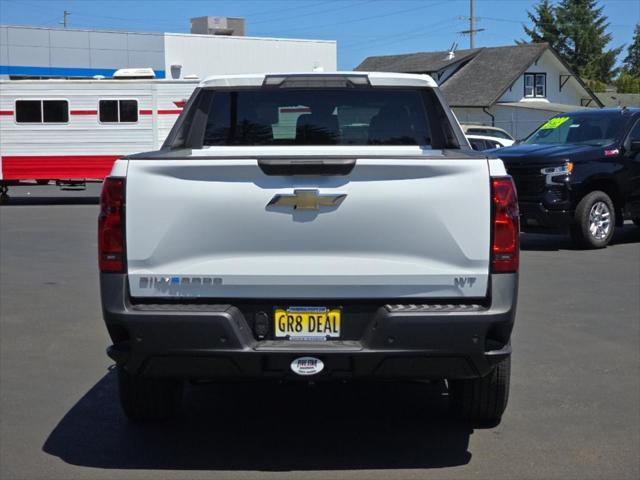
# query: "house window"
[[42, 111], [535, 85], [118, 111]]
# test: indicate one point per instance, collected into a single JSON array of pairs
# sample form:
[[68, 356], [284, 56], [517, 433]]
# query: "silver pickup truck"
[[313, 227]]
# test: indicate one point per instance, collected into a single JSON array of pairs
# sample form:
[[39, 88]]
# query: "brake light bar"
[[111, 226], [505, 245], [310, 80]]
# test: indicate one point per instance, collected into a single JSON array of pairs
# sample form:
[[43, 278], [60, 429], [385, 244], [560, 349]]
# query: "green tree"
[[544, 25], [631, 63], [596, 86], [627, 83], [584, 39], [577, 30]]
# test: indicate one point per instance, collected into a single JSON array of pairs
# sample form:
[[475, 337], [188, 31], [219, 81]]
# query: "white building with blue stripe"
[[44, 52]]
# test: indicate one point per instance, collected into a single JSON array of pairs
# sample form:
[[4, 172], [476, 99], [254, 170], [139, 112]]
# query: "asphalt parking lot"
[[574, 411]]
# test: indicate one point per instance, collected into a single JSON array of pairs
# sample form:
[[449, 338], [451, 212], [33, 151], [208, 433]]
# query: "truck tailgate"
[[397, 228]]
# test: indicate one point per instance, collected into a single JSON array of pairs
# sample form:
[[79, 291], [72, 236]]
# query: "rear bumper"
[[213, 341]]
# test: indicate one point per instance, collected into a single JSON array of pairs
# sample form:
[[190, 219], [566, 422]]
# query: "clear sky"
[[361, 27]]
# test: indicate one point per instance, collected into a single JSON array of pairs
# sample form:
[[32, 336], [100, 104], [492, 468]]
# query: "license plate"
[[312, 323]]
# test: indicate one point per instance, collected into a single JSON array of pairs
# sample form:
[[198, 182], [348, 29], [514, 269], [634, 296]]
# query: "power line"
[[161, 23], [371, 17], [397, 38], [86, 14], [308, 14], [435, 32], [300, 6], [524, 22]]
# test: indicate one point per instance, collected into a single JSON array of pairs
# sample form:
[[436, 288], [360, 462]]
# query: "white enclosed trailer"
[[75, 129]]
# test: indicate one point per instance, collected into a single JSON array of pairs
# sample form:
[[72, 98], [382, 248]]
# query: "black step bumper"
[[213, 341]]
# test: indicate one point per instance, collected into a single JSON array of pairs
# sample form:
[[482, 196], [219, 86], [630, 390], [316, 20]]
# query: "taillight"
[[111, 226], [505, 248]]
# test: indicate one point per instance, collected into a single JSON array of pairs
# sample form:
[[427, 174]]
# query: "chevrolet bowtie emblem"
[[307, 200]]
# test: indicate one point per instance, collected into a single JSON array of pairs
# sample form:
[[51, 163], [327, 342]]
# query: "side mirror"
[[634, 146]]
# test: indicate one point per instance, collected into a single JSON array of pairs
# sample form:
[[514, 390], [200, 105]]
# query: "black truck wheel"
[[594, 221], [482, 399], [147, 399]]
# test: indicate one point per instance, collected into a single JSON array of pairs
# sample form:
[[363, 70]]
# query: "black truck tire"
[[594, 221], [482, 399], [147, 399]]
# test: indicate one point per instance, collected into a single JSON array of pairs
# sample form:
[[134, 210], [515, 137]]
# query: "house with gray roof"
[[516, 87]]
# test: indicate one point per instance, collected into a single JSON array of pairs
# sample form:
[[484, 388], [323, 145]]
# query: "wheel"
[[148, 399], [594, 221], [636, 222], [42, 182], [482, 399]]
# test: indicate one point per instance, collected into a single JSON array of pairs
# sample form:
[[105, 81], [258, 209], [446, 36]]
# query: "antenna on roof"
[[452, 51]]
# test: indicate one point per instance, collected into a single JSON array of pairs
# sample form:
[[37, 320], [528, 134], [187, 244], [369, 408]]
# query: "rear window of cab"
[[315, 116]]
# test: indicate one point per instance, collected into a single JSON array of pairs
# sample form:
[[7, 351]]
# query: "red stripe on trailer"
[[146, 112], [169, 112], [57, 167], [84, 112], [6, 112]]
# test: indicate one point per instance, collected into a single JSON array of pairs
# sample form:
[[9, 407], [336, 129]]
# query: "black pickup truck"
[[579, 172]]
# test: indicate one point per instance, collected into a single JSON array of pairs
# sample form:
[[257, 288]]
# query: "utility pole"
[[472, 30], [64, 21]]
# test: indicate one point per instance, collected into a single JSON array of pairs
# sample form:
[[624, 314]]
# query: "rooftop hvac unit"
[[218, 26], [133, 73]]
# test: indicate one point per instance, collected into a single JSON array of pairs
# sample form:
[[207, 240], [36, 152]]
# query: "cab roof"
[[376, 79]]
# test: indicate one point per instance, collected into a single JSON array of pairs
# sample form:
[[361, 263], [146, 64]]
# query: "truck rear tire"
[[482, 399], [594, 221], [147, 399]]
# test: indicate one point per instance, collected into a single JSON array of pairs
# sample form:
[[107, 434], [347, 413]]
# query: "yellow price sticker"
[[554, 123]]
